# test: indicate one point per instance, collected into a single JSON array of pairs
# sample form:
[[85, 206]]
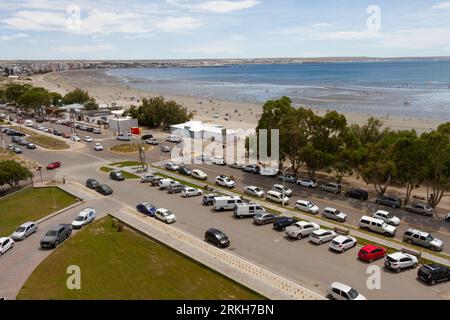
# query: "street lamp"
[[284, 183]]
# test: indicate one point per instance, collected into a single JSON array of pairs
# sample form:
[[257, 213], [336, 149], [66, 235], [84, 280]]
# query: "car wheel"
[[299, 236], [398, 270], [432, 282], [433, 249], [320, 242], [414, 265], [371, 260], [56, 244], [12, 245], [409, 241]]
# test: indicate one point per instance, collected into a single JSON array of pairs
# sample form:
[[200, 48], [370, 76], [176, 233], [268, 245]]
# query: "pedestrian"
[[64, 180]]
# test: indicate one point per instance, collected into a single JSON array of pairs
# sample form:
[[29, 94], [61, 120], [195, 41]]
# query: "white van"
[[124, 137], [226, 203], [165, 183], [277, 197], [377, 225], [85, 217], [248, 210], [28, 123]]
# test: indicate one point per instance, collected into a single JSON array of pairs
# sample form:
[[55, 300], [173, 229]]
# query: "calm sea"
[[400, 88]]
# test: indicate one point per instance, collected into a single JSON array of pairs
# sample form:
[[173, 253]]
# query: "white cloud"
[[178, 23], [224, 6], [442, 6], [84, 49], [13, 37]]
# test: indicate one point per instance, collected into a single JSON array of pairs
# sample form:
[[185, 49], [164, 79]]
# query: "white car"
[[387, 217], [254, 191], [288, 178], [309, 183], [220, 161], [98, 147], [88, 139], [147, 178], [5, 245], [173, 138], [165, 215], [342, 243], [399, 260], [199, 174], [191, 192], [280, 188], [75, 138], [225, 181], [301, 229], [172, 166], [321, 236], [152, 141], [306, 206], [334, 214], [277, 197], [24, 231], [340, 291], [85, 217]]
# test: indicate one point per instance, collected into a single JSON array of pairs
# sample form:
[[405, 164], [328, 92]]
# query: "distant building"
[[200, 130]]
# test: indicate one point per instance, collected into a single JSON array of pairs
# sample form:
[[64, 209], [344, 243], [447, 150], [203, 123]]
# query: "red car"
[[370, 253], [54, 165]]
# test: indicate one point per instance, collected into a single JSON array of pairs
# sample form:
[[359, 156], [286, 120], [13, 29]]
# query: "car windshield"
[[166, 213], [352, 294], [390, 215], [384, 225], [79, 218], [430, 238], [20, 229], [310, 205], [221, 236], [51, 233]]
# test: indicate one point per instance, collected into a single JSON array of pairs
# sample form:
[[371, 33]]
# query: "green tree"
[[56, 99], [14, 91], [12, 172], [34, 98], [76, 96], [2, 96], [91, 105]]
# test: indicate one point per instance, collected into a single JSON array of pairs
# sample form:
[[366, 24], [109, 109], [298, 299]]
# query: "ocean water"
[[400, 88]]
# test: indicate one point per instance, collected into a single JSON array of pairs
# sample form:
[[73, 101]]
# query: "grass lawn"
[[106, 169], [129, 148], [126, 174], [126, 164], [30, 205], [125, 265], [44, 141]]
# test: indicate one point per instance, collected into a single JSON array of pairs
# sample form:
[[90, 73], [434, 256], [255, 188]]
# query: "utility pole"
[[284, 182]]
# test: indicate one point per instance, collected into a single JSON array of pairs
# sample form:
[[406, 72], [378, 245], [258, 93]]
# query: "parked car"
[[217, 237], [236, 165], [279, 188], [288, 178], [387, 217], [17, 150], [342, 243], [306, 206], [282, 223], [123, 137], [174, 139], [165, 215], [152, 141], [155, 180], [321, 236], [92, 183], [165, 183], [334, 214], [244, 210], [433, 273], [225, 182], [146, 136], [191, 192], [5, 245], [423, 239], [277, 197], [331, 187], [370, 253], [53, 165], [165, 149], [199, 174], [269, 172], [264, 218], [252, 168], [220, 161], [226, 203], [104, 189], [340, 291], [390, 201], [254, 191], [357, 194], [85, 217], [75, 138], [147, 209], [420, 208], [31, 146], [186, 171], [301, 229], [96, 131], [176, 188], [377, 225], [56, 235], [116, 176], [146, 178], [309, 183], [400, 260], [98, 147], [208, 199], [24, 231], [172, 166], [447, 217]]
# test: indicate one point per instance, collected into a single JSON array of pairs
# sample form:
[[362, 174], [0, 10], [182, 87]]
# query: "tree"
[[76, 96], [2, 96], [12, 172], [56, 98], [34, 98], [91, 105], [14, 91]]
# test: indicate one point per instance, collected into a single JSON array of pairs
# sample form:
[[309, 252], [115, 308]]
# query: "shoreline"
[[107, 89]]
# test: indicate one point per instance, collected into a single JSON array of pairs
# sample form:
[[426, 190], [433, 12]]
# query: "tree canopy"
[[12, 172], [76, 96]]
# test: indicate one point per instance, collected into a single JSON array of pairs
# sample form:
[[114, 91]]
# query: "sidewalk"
[[263, 281]]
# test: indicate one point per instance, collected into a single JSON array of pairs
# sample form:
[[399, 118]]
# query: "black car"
[[217, 237], [281, 223], [433, 273], [57, 132], [89, 129], [147, 136], [185, 171], [116, 175], [104, 189], [92, 183], [15, 133], [357, 194], [31, 146]]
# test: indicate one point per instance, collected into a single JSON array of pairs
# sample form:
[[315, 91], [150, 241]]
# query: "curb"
[[60, 211]]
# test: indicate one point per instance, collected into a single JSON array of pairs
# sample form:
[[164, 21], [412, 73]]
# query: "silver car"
[[420, 208], [24, 231], [264, 218]]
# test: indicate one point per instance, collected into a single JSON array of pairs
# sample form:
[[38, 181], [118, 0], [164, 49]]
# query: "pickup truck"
[[301, 229], [56, 235]]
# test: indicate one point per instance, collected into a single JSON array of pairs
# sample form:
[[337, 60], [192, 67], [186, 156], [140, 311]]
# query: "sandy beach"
[[244, 115]]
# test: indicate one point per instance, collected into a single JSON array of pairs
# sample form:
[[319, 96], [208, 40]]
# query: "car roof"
[[322, 231], [303, 201], [3, 239], [398, 255], [341, 238], [422, 233], [341, 286], [382, 211], [26, 224], [86, 210], [370, 247], [330, 209]]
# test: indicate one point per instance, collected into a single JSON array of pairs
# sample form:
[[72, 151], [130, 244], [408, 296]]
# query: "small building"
[[122, 124], [200, 130]]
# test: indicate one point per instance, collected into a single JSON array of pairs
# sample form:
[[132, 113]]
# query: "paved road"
[[312, 266]]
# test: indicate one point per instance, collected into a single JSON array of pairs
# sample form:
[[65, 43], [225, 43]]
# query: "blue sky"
[[177, 29]]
